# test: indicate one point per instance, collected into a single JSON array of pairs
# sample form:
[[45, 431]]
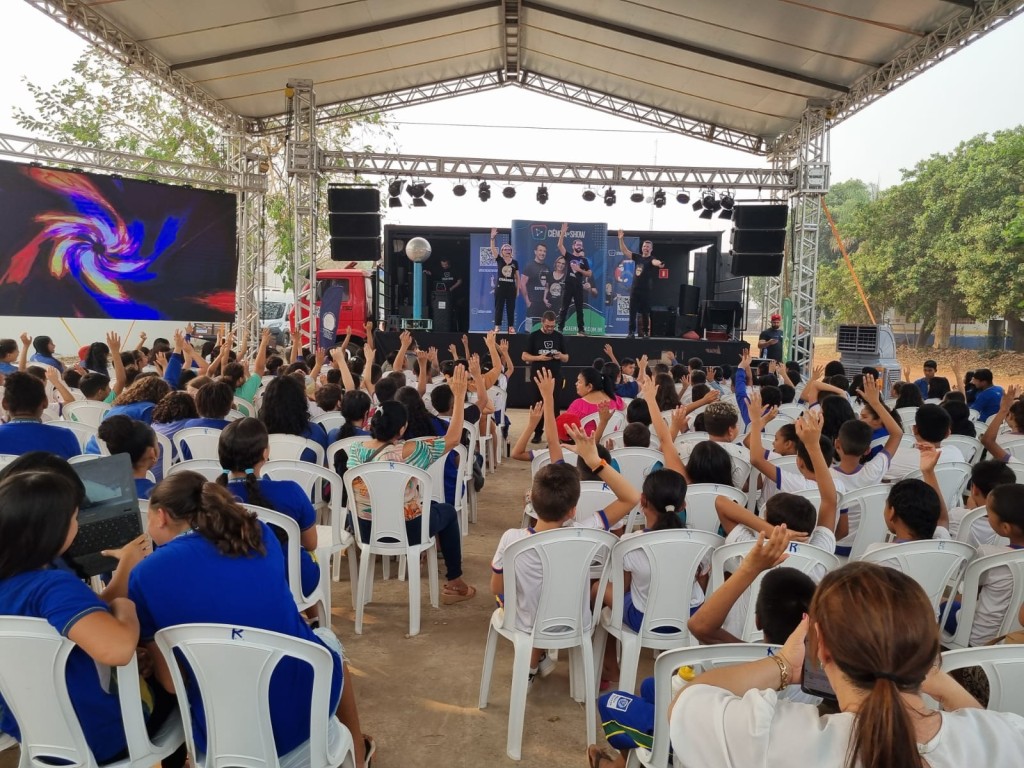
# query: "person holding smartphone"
[[872, 632]]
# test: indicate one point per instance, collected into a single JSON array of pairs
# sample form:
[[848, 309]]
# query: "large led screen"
[[86, 245]]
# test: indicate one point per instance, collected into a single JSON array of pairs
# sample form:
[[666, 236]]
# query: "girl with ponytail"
[[593, 389], [874, 634], [138, 440], [216, 562], [243, 450]]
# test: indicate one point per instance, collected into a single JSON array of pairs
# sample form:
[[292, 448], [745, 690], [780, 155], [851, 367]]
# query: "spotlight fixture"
[[394, 202], [427, 194], [683, 197], [659, 198], [394, 192], [508, 192], [609, 196], [419, 202], [708, 203], [459, 190], [726, 202], [637, 196], [542, 194], [589, 195], [419, 193], [484, 192], [414, 190]]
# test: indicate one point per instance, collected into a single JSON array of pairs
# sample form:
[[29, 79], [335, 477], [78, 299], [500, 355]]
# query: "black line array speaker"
[[758, 239], [354, 218], [689, 300]]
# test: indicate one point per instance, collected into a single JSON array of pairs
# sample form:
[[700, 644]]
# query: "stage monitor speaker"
[[355, 249], [756, 264], [663, 323], [355, 223], [353, 200], [687, 323], [722, 317], [758, 240], [772, 216], [689, 300]]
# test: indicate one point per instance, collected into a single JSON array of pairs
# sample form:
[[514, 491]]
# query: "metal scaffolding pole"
[[303, 168], [810, 160], [250, 286]]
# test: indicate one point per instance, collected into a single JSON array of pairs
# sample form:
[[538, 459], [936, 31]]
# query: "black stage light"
[[508, 192], [609, 196], [542, 194], [726, 201], [683, 197], [637, 197], [394, 202], [484, 192], [589, 195], [659, 198], [419, 202], [395, 188], [459, 190]]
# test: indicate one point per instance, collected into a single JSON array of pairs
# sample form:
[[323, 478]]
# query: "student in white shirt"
[[985, 475], [879, 659], [554, 495], [931, 426]]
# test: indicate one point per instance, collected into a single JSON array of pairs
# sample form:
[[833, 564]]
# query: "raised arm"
[[370, 353], [929, 458], [506, 358], [561, 238], [492, 376], [626, 496], [142, 341], [990, 438], [338, 359], [259, 366], [26, 342], [808, 431], [53, 376], [520, 451], [482, 400], [405, 341], [494, 248], [610, 354], [757, 457], [873, 398], [546, 386], [423, 376], [768, 551], [622, 245], [319, 356], [648, 392], [120, 377], [465, 347], [458, 382]]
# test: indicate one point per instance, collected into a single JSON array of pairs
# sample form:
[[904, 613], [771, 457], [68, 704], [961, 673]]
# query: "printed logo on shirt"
[[506, 271], [548, 344], [618, 703]]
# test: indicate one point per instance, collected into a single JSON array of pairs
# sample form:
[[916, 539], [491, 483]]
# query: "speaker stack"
[[758, 239], [354, 214]]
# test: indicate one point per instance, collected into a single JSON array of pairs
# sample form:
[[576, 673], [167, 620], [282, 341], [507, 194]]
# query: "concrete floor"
[[418, 695]]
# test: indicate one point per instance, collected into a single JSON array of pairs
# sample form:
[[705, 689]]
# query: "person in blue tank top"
[[216, 562], [243, 449]]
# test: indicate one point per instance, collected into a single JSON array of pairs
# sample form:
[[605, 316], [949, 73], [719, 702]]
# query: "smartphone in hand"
[[814, 681]]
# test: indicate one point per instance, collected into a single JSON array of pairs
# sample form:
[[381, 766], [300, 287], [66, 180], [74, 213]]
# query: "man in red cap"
[[770, 340]]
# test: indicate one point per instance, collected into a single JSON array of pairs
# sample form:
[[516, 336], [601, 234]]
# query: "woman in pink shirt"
[[593, 389]]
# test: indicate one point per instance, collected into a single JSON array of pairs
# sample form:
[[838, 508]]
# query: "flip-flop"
[[451, 598], [596, 756], [371, 749]]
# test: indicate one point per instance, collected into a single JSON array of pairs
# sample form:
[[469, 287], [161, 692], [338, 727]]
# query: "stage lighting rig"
[[484, 192], [726, 200], [637, 196], [589, 195], [683, 197], [394, 194], [542, 194], [707, 204], [508, 192], [659, 198], [609, 197], [459, 190]]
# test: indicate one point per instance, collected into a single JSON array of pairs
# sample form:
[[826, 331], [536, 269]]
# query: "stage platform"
[[582, 352]]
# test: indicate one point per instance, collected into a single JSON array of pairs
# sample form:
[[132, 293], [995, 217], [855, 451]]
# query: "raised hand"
[[808, 427], [870, 394], [680, 419], [405, 338], [432, 355], [817, 372], [604, 413], [503, 345], [755, 410], [423, 358], [265, 336], [453, 351], [536, 414], [494, 232], [565, 228], [622, 233], [1010, 395], [25, 339], [142, 337], [608, 351], [114, 343], [368, 328], [929, 457], [545, 383], [584, 445], [767, 552], [648, 391], [474, 365], [458, 383], [906, 373], [641, 368]]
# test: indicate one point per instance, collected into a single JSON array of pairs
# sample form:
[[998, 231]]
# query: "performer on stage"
[[643, 283], [534, 283], [546, 349], [770, 340], [506, 288], [578, 268]]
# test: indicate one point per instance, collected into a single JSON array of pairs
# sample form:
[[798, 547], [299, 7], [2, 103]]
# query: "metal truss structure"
[[545, 172], [251, 238], [302, 163], [54, 152], [810, 161]]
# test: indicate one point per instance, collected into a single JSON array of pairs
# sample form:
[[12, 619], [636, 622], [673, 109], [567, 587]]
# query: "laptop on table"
[[109, 516]]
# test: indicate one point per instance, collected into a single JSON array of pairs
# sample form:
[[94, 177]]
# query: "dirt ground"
[[418, 695]]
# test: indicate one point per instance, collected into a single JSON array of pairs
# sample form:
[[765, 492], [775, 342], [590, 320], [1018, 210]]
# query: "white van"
[[275, 314]]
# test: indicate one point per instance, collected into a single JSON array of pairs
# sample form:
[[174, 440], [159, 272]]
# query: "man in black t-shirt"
[[770, 340], [546, 349], [451, 278], [534, 282], [643, 283], [576, 268]]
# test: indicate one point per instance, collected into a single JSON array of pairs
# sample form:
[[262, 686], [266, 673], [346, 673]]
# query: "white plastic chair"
[[543, 457], [953, 478], [329, 420], [776, 424], [202, 442], [291, 448], [82, 431], [33, 657], [700, 505], [232, 667], [7, 458], [385, 483], [616, 422], [437, 470], [89, 412], [332, 538], [166, 453], [208, 468], [635, 464], [674, 557], [871, 527], [785, 463], [701, 657], [791, 410], [563, 618], [806, 558], [234, 415], [974, 414], [244, 407], [686, 441], [963, 533], [343, 445], [83, 457], [1003, 666], [908, 418], [934, 563], [970, 447], [969, 587]]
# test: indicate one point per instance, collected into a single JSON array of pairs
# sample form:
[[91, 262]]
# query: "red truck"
[[358, 303]]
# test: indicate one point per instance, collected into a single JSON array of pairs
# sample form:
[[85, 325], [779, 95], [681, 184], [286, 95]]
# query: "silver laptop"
[[109, 516]]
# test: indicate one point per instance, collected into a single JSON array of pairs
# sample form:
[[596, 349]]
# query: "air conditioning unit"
[[874, 346]]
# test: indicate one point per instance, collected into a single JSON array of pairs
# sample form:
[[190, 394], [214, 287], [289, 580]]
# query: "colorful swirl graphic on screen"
[[91, 244]]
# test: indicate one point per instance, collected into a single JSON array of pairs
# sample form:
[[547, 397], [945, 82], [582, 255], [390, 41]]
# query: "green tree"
[[104, 105]]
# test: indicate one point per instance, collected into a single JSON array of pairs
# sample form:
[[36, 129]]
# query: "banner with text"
[[543, 268], [620, 280], [482, 274]]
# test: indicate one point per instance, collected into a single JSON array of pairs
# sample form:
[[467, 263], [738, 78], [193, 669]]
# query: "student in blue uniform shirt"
[[138, 440], [8, 356], [44, 351], [38, 522], [213, 403], [285, 411], [217, 563], [243, 450], [25, 400]]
